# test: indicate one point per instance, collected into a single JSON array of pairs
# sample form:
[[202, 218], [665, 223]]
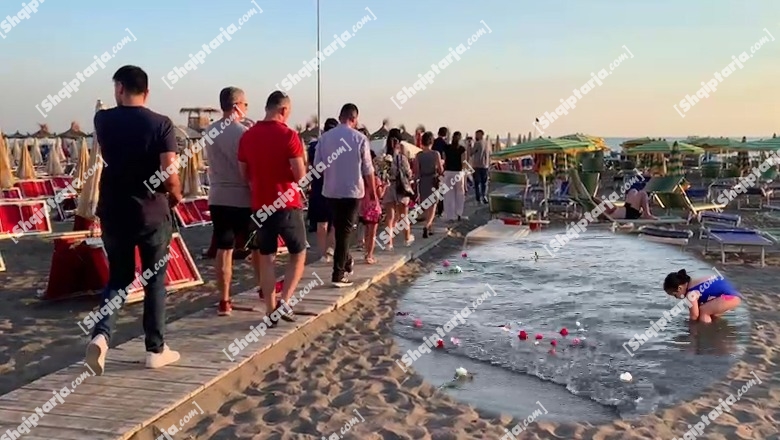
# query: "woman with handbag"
[[399, 190], [428, 167]]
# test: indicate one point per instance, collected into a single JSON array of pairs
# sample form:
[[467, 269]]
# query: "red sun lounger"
[[10, 193], [740, 238], [12, 213]]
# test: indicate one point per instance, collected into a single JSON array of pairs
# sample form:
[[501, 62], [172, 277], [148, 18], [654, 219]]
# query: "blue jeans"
[[480, 183], [120, 244]]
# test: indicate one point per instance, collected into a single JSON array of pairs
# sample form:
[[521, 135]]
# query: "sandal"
[[370, 260]]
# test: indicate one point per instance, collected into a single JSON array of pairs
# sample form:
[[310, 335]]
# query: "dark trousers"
[[120, 244], [345, 216], [480, 183]]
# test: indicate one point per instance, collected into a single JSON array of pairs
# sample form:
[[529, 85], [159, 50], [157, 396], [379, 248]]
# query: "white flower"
[[461, 372], [625, 377]]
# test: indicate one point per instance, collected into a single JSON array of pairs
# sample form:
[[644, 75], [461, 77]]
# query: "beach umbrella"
[[35, 152], [61, 150], [560, 165], [675, 161], [717, 144], [743, 158], [6, 174], [598, 142], [519, 139], [771, 144], [190, 178], [543, 146], [631, 143], [16, 151], [82, 161], [54, 165], [658, 166], [25, 170], [665, 147], [497, 144], [90, 190]]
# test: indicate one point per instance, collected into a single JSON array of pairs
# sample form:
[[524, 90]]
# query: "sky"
[[534, 55]]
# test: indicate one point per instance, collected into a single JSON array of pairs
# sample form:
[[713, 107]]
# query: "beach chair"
[[591, 181], [16, 212], [35, 188], [711, 219], [740, 238], [680, 200], [10, 193], [193, 212], [559, 202]]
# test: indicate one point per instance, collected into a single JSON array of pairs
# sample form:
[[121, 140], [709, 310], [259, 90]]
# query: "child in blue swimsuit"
[[710, 297]]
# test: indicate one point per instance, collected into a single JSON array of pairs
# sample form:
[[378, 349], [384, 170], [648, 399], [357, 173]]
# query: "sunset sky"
[[534, 56]]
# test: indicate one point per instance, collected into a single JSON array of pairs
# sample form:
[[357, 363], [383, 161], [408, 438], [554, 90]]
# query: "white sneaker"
[[159, 360], [96, 354], [410, 241], [330, 252], [326, 259]]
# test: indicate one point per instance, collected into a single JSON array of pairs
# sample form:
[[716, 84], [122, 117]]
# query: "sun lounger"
[[772, 233], [193, 212], [711, 219], [508, 199], [11, 193], [12, 213], [679, 200], [559, 202], [738, 237]]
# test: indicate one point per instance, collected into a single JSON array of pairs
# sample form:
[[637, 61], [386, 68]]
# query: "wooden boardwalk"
[[128, 397]]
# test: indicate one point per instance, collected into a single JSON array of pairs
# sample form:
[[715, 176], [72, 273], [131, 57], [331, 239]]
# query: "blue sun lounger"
[[738, 237], [713, 219]]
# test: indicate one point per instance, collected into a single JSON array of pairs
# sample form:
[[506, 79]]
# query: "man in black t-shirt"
[[138, 187]]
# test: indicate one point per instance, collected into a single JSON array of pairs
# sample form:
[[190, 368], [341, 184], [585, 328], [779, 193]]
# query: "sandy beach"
[[311, 384]]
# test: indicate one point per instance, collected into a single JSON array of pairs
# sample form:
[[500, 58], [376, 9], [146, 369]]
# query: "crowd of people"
[[258, 175]]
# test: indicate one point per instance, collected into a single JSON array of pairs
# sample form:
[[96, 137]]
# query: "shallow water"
[[611, 284]]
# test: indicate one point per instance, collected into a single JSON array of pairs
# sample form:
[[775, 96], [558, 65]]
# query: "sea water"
[[612, 285]]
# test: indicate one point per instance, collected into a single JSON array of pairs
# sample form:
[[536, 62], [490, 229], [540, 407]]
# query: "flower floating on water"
[[552, 351], [457, 269], [576, 341], [461, 372], [539, 336], [417, 323], [445, 263], [578, 324], [564, 332], [554, 343], [464, 255], [625, 377], [455, 341], [439, 344], [522, 335], [536, 343]]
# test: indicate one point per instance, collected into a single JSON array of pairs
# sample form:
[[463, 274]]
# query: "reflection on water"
[[611, 285]]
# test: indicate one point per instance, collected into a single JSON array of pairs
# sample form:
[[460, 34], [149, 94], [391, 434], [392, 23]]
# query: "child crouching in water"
[[710, 297], [370, 215]]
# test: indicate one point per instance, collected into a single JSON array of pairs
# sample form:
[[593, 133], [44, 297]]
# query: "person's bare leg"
[[332, 238], [369, 240], [403, 213], [268, 281], [322, 238], [643, 200], [292, 274], [390, 221], [430, 214], [717, 307], [224, 269]]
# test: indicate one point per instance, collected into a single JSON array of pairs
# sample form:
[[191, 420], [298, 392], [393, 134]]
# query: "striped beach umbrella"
[[658, 167], [560, 165], [675, 162], [743, 159]]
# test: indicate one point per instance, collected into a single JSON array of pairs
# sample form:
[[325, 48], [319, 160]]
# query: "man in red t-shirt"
[[270, 156]]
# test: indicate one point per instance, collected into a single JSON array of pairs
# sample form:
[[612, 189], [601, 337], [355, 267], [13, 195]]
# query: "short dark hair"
[[348, 111], [443, 131], [276, 99], [480, 132], [228, 96], [427, 138], [331, 123], [133, 79]]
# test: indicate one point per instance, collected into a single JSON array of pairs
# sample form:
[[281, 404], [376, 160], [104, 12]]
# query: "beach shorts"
[[287, 224], [229, 222]]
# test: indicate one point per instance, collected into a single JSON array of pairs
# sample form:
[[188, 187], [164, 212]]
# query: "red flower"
[[539, 336], [439, 344], [564, 332], [522, 335], [554, 343]]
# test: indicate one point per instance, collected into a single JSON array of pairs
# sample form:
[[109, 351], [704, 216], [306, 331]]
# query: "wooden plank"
[[69, 408], [116, 427], [45, 433], [99, 397], [127, 383], [119, 371]]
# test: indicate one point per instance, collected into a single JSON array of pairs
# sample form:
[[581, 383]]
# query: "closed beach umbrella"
[[743, 159], [25, 170], [82, 158], [54, 166], [675, 161], [560, 165], [59, 151], [35, 153], [90, 191], [16, 151], [519, 139], [191, 178], [6, 174]]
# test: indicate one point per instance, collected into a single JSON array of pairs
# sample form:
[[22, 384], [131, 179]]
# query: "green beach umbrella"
[[631, 143], [717, 144], [560, 165], [771, 144], [665, 147], [543, 146], [596, 141], [675, 161], [743, 158]]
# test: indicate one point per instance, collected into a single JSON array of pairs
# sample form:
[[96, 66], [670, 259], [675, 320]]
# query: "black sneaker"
[[284, 314], [350, 267], [425, 232], [342, 282]]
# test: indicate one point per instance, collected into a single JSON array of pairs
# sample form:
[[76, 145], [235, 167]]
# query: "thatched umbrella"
[[405, 136], [383, 132], [54, 165], [6, 174], [43, 132], [90, 191], [35, 152], [25, 170], [74, 132]]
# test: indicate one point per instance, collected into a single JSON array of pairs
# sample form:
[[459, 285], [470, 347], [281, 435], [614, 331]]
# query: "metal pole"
[[319, 82]]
